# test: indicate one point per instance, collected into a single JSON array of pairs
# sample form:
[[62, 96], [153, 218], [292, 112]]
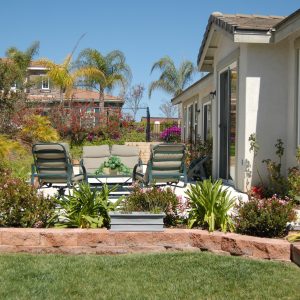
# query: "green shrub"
[[154, 200], [210, 204], [294, 182], [264, 217], [85, 208], [21, 205]]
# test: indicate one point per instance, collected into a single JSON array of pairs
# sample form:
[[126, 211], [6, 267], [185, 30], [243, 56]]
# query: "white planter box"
[[136, 221]]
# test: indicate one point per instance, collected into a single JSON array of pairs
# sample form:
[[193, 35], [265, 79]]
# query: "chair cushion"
[[96, 151], [129, 155], [124, 151]]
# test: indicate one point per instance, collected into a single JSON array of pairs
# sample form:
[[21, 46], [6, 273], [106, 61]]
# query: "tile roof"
[[239, 22], [245, 22], [81, 94]]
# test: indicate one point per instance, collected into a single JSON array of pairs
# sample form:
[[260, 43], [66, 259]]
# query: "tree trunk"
[[101, 105]]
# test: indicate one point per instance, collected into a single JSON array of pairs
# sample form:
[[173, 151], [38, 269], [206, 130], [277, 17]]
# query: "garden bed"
[[102, 241]]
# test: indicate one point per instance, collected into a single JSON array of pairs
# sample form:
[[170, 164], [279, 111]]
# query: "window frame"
[[206, 104], [46, 79]]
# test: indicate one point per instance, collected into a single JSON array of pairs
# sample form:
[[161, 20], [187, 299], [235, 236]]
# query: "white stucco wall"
[[293, 42], [264, 104], [266, 101]]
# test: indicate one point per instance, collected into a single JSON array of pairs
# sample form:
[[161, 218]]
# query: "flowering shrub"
[[171, 134], [156, 200], [257, 192], [265, 217], [20, 204]]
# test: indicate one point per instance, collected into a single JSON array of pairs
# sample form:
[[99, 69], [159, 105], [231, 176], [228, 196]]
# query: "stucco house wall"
[[264, 53]]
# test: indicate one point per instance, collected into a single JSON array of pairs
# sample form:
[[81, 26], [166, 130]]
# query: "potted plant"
[[113, 166], [145, 209]]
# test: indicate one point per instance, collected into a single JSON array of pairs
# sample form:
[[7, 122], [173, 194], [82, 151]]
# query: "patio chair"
[[52, 166], [166, 165]]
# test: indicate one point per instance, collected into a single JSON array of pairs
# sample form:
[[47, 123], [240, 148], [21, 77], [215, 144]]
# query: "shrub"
[[154, 200], [210, 204], [171, 134], [38, 128], [20, 204], [264, 217], [8, 147], [294, 182], [85, 208]]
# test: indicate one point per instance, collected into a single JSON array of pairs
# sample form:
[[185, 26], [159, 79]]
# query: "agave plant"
[[85, 208], [210, 204]]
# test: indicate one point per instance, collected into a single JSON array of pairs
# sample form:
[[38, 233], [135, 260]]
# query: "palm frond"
[[162, 85], [163, 63]]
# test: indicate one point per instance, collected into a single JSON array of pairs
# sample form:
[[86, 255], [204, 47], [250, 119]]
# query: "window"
[[45, 84], [14, 87], [207, 121]]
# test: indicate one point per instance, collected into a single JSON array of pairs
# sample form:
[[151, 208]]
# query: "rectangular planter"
[[136, 221]]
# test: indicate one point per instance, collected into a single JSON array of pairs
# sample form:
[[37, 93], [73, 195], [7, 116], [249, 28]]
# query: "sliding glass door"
[[228, 129]]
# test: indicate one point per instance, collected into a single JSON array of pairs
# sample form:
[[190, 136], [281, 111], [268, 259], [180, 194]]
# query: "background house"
[[254, 65], [42, 90]]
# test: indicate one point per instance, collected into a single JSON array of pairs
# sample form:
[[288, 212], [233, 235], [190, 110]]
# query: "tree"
[[107, 71], [172, 80], [169, 110], [133, 99], [63, 75], [22, 60], [13, 71]]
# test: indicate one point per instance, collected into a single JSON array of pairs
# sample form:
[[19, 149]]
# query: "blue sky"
[[144, 30]]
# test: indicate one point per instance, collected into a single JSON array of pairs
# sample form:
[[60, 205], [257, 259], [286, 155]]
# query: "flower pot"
[[109, 171], [136, 221]]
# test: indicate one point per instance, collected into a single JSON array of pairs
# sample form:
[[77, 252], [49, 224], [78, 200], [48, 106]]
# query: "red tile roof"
[[82, 94]]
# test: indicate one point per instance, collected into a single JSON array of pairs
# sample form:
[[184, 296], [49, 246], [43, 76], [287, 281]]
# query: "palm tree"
[[172, 80], [21, 61], [106, 72], [63, 75]]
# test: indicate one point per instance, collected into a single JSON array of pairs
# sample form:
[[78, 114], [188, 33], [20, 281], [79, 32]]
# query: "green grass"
[[21, 166], [152, 276]]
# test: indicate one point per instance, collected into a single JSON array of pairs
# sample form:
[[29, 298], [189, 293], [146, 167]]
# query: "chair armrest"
[[135, 170], [83, 169]]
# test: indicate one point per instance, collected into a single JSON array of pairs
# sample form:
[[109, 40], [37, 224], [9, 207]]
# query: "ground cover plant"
[[151, 276]]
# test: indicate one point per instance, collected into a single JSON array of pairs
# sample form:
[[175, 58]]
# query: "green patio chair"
[[52, 166], [166, 165]]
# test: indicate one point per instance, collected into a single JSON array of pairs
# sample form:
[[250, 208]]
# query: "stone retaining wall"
[[102, 241], [296, 253]]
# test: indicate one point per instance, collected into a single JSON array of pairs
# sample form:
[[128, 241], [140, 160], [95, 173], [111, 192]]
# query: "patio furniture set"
[[53, 166]]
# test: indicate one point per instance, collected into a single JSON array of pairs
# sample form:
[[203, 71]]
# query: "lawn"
[[151, 276]]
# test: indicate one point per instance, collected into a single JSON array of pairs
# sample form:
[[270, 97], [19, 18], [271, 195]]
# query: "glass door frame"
[[227, 179]]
